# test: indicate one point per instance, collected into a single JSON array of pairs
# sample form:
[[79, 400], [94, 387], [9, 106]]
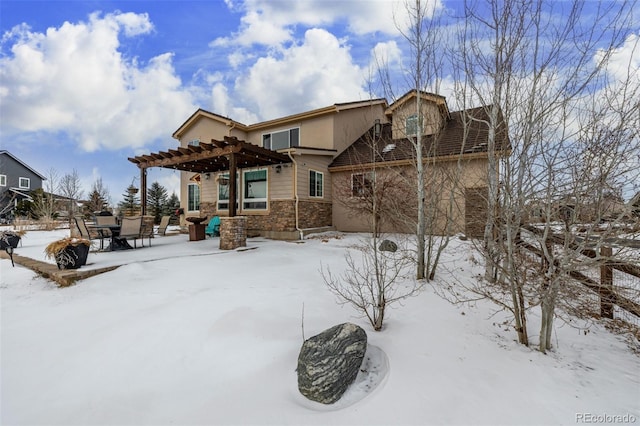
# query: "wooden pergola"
[[228, 154]]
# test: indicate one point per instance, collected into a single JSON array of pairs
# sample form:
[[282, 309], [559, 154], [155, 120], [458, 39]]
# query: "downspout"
[[295, 191]]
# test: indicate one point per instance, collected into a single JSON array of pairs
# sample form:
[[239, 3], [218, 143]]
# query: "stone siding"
[[233, 232], [281, 217], [314, 214]]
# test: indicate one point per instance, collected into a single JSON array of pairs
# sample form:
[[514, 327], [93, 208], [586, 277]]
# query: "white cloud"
[[222, 105], [74, 79], [271, 23], [624, 62], [316, 73]]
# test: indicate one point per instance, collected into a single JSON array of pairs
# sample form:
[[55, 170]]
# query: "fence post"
[[606, 283]]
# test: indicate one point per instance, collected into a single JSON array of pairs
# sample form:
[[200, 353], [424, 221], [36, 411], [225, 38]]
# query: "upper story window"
[[24, 183], [316, 184], [283, 139], [3, 180], [194, 142], [411, 125]]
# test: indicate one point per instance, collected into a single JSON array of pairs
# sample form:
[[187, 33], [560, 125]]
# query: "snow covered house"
[[291, 172]]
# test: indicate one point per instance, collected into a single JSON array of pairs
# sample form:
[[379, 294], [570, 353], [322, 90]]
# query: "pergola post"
[[233, 190], [143, 190]]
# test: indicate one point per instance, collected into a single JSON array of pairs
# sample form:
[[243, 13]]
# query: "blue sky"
[[86, 84]]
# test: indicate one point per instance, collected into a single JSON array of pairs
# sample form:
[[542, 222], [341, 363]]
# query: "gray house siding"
[[16, 178]]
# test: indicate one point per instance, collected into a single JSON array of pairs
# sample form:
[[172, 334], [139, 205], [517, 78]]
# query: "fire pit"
[[196, 229], [196, 220]]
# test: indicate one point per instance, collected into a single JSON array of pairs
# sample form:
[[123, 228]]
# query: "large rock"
[[388, 245], [329, 362]]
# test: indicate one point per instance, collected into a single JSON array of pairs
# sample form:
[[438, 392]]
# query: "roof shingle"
[[450, 141]]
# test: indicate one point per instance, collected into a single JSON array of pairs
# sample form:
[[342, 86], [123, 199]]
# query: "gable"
[[10, 162], [450, 143]]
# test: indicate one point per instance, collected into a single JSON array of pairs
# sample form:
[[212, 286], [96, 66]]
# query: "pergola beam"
[[229, 154]]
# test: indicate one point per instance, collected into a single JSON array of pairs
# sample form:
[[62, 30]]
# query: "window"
[[255, 189], [24, 183], [223, 191], [195, 142], [361, 184], [193, 201], [316, 182], [411, 124], [3, 180], [280, 140]]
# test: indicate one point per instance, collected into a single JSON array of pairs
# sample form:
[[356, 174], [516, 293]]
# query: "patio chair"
[[105, 232], [146, 229], [164, 223], [213, 227], [131, 228], [83, 230]]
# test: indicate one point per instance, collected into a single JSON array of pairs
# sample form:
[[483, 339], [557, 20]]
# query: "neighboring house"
[[17, 180], [287, 168], [581, 209]]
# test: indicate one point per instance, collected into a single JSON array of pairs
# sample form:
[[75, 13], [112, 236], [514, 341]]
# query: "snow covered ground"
[[185, 333]]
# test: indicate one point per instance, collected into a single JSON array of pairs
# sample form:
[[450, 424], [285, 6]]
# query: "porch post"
[[143, 190], [232, 185]]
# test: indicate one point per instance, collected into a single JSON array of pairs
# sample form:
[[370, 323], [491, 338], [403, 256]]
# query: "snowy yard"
[[186, 334]]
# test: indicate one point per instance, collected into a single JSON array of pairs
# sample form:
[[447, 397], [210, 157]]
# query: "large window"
[[193, 201], [316, 184], [362, 184], [280, 140], [24, 183], [254, 189], [3, 180], [223, 191], [412, 124]]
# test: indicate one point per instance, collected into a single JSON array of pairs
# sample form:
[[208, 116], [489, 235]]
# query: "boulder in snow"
[[329, 362], [388, 245]]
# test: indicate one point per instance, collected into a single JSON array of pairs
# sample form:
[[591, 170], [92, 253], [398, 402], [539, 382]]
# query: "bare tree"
[[376, 281], [532, 68], [44, 201], [424, 36], [71, 188]]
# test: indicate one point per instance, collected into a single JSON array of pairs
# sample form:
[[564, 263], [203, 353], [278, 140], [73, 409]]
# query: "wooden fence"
[[605, 286]]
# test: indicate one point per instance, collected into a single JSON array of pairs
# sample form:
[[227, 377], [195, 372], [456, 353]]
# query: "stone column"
[[233, 232]]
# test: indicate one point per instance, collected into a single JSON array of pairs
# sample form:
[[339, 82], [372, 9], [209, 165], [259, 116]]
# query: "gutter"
[[295, 192]]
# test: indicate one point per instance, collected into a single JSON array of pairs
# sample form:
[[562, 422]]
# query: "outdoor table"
[[116, 243]]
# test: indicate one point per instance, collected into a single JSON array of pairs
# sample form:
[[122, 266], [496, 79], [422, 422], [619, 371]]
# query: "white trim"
[[21, 186], [264, 199], [288, 131], [321, 187]]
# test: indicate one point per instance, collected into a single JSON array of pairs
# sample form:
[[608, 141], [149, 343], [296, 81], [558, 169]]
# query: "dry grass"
[[58, 246]]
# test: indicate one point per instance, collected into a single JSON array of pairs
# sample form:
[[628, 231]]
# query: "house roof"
[[335, 108], [22, 163], [439, 100], [451, 141], [211, 157]]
